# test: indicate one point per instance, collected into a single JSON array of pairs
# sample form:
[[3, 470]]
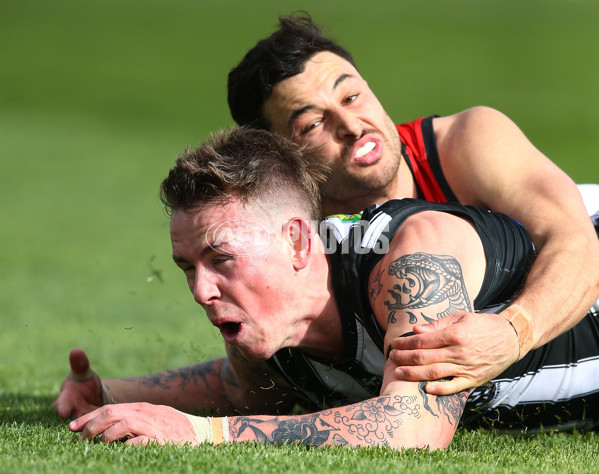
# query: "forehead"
[[196, 222], [322, 75], [231, 226]]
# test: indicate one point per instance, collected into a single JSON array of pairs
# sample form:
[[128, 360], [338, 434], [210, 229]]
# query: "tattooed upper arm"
[[425, 287], [430, 272], [418, 288]]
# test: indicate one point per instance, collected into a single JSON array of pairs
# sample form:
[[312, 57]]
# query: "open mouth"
[[367, 150], [229, 329]]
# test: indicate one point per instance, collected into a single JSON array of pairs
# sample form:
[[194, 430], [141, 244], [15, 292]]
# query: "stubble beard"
[[347, 181]]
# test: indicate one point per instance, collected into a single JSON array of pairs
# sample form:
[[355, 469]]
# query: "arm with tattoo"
[[196, 388], [405, 287], [224, 386], [393, 420]]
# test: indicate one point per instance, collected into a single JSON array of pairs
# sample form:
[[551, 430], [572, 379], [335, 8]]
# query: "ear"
[[298, 234]]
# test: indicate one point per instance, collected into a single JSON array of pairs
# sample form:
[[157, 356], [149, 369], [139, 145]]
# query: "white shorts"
[[590, 196]]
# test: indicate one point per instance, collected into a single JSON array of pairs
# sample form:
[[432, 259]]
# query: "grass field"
[[97, 98]]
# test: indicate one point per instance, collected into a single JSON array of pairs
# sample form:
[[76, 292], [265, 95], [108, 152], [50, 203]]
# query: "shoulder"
[[456, 128], [434, 233], [484, 156]]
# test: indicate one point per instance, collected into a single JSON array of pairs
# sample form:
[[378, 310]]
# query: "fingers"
[[426, 339], [79, 361], [449, 387], [80, 392], [138, 423], [63, 407], [108, 421], [117, 429], [435, 373], [426, 372], [80, 370], [80, 423], [439, 324], [424, 354]]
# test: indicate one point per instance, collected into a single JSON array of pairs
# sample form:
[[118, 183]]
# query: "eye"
[[188, 270], [221, 258], [311, 126], [350, 98]]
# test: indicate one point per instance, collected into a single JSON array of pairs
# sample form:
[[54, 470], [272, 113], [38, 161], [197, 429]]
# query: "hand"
[[141, 422], [81, 391], [471, 348]]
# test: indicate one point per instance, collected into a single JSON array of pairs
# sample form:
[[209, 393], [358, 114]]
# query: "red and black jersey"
[[419, 148]]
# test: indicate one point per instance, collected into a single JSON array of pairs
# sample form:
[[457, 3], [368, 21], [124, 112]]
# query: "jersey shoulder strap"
[[419, 148]]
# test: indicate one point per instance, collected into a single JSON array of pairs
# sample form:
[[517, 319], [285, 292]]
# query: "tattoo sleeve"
[[385, 420], [184, 376], [194, 389], [367, 423]]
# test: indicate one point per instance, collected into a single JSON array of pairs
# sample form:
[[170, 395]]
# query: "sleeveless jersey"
[[419, 148], [358, 243]]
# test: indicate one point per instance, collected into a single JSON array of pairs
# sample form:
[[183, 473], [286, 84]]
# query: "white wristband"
[[209, 430], [220, 429]]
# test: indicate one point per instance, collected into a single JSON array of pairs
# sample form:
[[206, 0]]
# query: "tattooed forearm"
[[367, 423], [182, 377], [309, 430], [427, 281]]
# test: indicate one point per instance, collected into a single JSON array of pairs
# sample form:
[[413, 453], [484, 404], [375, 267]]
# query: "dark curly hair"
[[273, 59]]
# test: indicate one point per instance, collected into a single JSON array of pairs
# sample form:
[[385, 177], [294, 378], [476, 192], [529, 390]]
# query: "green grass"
[[33, 439], [97, 98]]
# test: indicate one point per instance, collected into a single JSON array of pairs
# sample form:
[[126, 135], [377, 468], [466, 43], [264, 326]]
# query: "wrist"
[[107, 398], [209, 430], [522, 323], [220, 429]]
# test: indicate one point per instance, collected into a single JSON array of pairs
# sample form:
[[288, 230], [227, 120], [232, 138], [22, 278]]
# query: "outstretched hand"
[[471, 348], [81, 391], [139, 423]]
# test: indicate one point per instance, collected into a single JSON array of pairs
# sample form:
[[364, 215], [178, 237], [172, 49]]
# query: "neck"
[[323, 334]]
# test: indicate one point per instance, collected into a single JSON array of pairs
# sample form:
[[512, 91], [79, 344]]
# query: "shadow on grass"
[[33, 410]]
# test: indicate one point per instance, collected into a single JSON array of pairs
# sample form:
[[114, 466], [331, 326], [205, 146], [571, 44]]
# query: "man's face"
[[330, 105], [237, 267]]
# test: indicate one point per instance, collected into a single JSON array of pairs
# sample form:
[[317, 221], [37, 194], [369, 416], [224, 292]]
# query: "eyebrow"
[[297, 113], [179, 260], [206, 250]]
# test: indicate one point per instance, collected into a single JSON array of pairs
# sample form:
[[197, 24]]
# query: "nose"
[[347, 124], [204, 288]]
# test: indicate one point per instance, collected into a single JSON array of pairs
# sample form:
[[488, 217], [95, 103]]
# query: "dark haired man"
[[321, 342], [302, 85]]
